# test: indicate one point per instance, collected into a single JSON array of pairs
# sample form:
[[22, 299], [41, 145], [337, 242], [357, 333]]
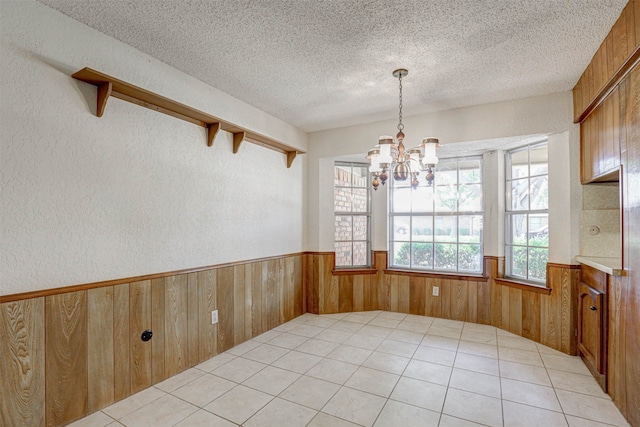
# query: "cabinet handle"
[[593, 308]]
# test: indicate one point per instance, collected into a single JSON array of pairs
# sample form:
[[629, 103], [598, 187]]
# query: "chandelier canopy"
[[389, 155]]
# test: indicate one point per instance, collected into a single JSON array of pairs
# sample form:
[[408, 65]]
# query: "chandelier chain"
[[400, 125]]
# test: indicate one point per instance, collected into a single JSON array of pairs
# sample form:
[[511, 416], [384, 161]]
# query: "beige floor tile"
[[350, 354], [516, 414], [392, 315], [520, 356], [364, 341], [115, 424], [444, 331], [396, 414], [310, 392], [565, 363], [239, 404], [449, 421], [420, 393], [215, 362], [164, 412], [582, 422], [530, 394], [406, 336], [373, 381], [179, 380], [517, 342], [326, 420], [272, 380], [333, 335], [548, 350], [134, 402], [384, 322], [267, 336], [473, 407], [246, 346], [288, 341], [430, 372], [355, 406], [448, 323], [297, 361], [334, 371], [481, 337], [320, 322], [317, 347], [281, 412], [424, 320], [359, 318], [475, 382], [375, 331], [397, 348], [238, 369], [478, 349], [305, 330], [204, 418], [335, 316], [97, 419], [203, 390], [407, 325], [576, 382], [471, 362], [488, 329], [346, 326], [266, 353], [435, 355], [526, 373], [444, 343], [590, 407], [387, 362]]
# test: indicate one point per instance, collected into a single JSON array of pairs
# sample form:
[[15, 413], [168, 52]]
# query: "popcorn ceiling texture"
[[327, 63]]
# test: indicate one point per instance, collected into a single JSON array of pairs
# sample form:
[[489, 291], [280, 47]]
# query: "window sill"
[[352, 271], [523, 285], [436, 275]]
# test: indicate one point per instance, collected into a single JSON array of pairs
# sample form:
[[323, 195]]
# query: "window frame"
[[352, 214], [509, 213], [434, 214]]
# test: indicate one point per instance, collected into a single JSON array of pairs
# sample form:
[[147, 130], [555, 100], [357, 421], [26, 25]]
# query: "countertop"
[[612, 266]]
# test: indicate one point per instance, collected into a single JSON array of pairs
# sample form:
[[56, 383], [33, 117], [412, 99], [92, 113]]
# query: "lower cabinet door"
[[590, 326]]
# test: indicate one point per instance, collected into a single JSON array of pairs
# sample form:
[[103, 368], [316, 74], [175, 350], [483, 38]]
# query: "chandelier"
[[388, 155]]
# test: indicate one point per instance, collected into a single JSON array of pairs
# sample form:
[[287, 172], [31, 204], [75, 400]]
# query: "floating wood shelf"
[[109, 86]]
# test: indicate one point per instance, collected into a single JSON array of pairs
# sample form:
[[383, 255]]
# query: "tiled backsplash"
[[600, 208]]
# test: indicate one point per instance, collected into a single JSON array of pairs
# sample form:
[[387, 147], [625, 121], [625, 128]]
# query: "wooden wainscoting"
[[88, 340], [548, 316]]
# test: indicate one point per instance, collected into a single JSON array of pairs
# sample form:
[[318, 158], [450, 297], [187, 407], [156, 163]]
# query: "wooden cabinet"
[[600, 141], [592, 322]]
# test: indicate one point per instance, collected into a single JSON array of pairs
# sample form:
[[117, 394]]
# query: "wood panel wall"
[[609, 90], [88, 341], [546, 317]]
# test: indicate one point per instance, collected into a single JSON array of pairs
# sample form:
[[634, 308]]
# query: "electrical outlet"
[[436, 291], [214, 317]]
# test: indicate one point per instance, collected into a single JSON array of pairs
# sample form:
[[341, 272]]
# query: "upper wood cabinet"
[[600, 141], [618, 51]]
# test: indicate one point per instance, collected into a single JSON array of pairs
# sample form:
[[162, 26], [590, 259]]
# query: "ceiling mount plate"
[[400, 72]]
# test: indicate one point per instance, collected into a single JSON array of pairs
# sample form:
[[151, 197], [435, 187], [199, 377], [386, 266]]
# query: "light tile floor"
[[377, 369]]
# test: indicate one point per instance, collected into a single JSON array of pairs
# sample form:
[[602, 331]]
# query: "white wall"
[[550, 115], [135, 192]]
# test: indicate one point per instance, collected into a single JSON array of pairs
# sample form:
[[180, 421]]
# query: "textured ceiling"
[[320, 64]]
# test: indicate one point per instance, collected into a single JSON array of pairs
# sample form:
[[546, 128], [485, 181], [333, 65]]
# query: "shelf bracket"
[[104, 92], [290, 156], [237, 140], [212, 131]]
